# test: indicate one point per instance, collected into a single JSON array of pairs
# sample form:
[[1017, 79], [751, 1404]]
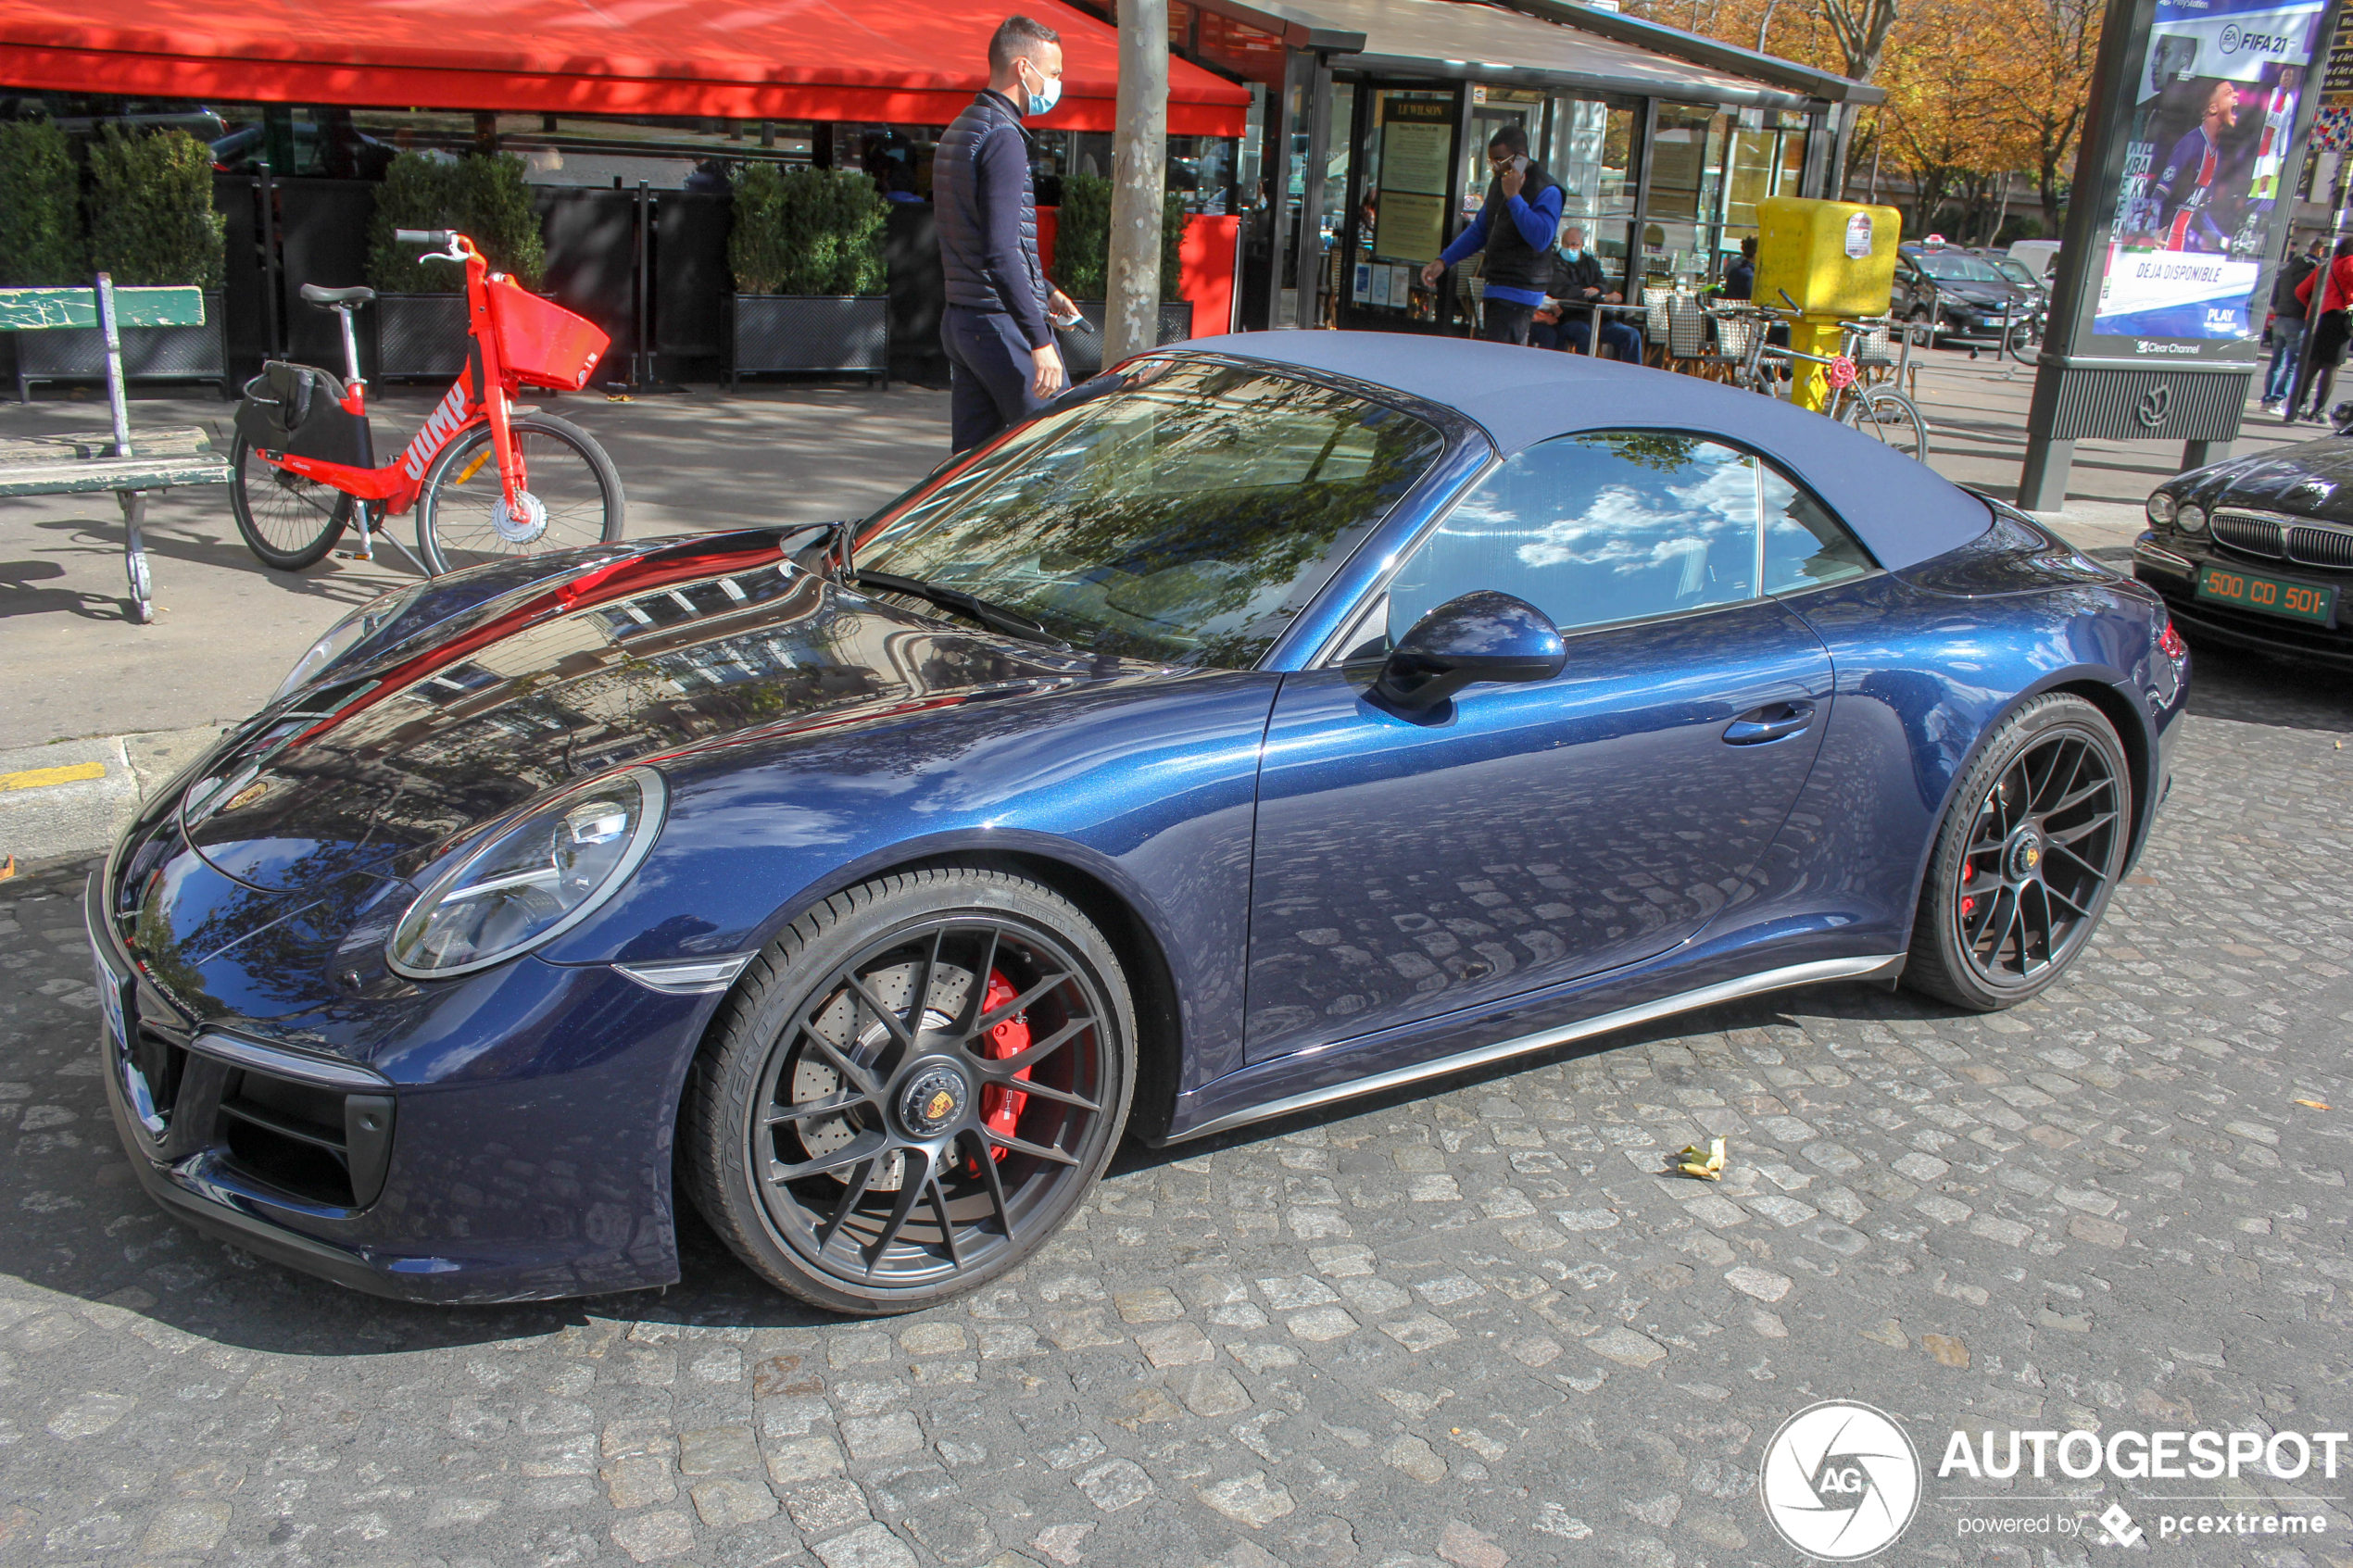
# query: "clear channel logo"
[[1840, 1481]]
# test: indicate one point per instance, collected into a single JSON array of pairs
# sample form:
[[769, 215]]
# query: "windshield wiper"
[[988, 615]]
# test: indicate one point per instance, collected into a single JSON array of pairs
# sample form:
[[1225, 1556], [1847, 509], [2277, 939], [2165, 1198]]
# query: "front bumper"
[[2168, 563], [525, 1129]]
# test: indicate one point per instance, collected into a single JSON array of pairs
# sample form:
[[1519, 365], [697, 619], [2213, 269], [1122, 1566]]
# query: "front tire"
[[1887, 417], [461, 510], [2026, 858], [911, 1090]]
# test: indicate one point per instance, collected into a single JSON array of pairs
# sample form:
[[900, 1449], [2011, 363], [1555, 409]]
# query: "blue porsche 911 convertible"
[[1271, 720]]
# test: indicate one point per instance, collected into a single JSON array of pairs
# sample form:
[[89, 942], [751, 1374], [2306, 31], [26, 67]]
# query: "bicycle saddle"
[[328, 299]]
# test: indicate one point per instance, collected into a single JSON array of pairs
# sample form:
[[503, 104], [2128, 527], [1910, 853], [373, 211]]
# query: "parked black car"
[[1945, 291], [2258, 553]]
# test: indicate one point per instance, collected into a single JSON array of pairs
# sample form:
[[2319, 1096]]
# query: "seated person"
[[1740, 277], [1578, 283]]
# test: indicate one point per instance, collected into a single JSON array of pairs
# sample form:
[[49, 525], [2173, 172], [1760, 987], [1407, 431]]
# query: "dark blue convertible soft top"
[[1905, 512]]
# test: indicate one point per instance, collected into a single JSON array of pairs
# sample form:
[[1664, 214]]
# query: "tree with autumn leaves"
[[1978, 91]]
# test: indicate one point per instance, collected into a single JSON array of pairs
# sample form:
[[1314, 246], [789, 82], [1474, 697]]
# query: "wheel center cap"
[[2026, 854], [932, 1099]]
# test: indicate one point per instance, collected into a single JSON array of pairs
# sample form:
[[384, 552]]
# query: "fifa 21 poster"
[[2211, 125]]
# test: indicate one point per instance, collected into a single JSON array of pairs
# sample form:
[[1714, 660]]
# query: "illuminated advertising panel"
[[2205, 183]]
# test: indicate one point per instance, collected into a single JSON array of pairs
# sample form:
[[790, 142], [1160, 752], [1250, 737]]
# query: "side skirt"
[[1870, 967]]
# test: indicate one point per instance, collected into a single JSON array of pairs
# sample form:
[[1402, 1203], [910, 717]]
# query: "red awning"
[[914, 63]]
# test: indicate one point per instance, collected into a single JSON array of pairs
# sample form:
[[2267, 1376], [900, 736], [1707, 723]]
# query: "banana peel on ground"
[[1707, 1164]]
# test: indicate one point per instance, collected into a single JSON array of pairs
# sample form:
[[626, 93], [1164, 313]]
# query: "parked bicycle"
[[304, 469], [1877, 410]]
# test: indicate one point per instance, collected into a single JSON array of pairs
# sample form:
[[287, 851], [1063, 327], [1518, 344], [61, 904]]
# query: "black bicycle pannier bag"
[[298, 409]]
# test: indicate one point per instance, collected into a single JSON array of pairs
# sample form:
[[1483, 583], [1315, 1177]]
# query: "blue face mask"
[[1572, 253], [1042, 103]]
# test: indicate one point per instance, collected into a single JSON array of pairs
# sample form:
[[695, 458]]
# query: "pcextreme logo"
[[1840, 1481]]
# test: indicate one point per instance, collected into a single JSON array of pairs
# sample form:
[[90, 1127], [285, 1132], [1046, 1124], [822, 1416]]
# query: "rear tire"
[[2028, 854], [935, 1164], [460, 507], [287, 521]]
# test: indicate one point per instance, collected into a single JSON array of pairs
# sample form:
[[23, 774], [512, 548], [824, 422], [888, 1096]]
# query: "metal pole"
[[275, 308], [1309, 266], [641, 360], [1139, 182]]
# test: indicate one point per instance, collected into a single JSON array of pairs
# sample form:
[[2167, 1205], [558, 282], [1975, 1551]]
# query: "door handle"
[[1773, 721]]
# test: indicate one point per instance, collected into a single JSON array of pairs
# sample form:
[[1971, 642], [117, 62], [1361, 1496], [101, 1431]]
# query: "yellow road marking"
[[36, 778]]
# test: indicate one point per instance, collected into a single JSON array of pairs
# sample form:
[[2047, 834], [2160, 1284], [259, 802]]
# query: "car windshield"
[[2016, 271], [1947, 268], [1183, 520]]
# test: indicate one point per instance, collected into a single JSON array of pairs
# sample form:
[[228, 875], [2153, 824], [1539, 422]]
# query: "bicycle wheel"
[[2024, 344], [1888, 417], [287, 521], [462, 513]]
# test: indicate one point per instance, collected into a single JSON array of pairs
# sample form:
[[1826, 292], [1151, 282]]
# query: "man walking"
[[1003, 361], [2287, 325], [1514, 228]]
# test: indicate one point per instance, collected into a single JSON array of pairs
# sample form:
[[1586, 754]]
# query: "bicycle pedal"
[[356, 554]]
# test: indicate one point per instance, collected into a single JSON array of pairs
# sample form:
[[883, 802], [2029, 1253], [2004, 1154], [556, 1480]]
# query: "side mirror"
[[1480, 637]]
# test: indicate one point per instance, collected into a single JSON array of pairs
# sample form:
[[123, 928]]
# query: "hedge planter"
[[834, 334], [420, 336], [148, 354], [1083, 347]]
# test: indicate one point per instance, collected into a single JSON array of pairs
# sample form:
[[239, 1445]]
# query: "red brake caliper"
[[1000, 1108]]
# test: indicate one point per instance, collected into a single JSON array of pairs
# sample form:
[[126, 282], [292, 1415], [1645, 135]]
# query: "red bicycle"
[[304, 466]]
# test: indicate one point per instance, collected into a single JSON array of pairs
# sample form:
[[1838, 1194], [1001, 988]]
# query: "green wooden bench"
[[132, 467]]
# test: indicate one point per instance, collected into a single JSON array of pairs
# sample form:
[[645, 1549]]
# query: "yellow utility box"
[[1833, 260]]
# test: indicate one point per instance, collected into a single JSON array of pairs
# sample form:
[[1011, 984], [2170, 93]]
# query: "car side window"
[[1804, 546], [1617, 525]]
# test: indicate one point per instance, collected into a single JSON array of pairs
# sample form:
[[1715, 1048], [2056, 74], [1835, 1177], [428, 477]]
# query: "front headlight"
[[341, 638], [2190, 518], [2161, 506], [534, 882]]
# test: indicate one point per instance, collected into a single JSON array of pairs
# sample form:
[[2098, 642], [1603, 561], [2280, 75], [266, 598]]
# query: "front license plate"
[[109, 998], [2269, 596]]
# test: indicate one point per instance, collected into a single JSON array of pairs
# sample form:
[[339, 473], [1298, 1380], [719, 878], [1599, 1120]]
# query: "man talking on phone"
[[1002, 360], [1515, 227]]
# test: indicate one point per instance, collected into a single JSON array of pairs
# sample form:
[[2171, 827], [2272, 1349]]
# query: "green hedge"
[[483, 198], [151, 217], [41, 242], [1082, 240], [807, 231]]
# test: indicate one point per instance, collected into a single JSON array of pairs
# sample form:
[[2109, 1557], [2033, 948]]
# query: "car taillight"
[[2170, 643]]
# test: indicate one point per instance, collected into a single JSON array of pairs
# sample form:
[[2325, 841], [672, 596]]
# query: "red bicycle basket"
[[543, 344]]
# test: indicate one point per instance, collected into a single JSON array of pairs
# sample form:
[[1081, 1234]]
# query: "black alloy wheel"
[[2026, 859], [912, 1090]]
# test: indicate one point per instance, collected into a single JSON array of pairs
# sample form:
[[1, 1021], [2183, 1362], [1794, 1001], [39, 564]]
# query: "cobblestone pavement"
[[1474, 1326]]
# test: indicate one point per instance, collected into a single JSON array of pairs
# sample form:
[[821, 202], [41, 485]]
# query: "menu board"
[[1417, 155], [1414, 156], [1409, 226]]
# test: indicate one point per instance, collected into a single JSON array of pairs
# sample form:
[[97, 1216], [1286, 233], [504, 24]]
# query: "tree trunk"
[[1140, 175]]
